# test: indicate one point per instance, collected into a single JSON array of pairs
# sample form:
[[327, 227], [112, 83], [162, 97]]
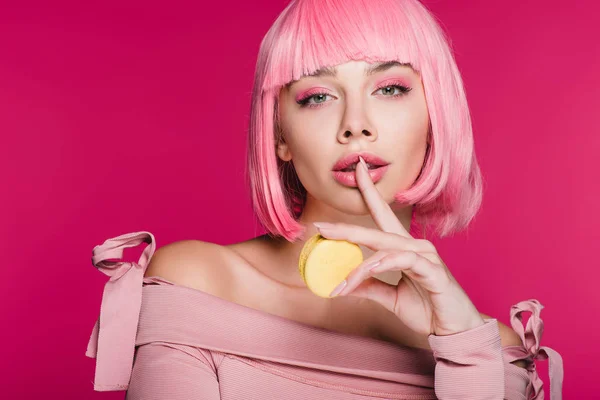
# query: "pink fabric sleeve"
[[175, 372], [472, 364], [531, 350], [112, 342], [469, 365]]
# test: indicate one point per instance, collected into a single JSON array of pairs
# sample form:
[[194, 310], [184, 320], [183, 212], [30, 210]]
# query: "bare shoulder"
[[193, 263], [508, 337]]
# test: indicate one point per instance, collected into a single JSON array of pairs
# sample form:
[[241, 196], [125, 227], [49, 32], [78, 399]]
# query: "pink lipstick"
[[344, 170]]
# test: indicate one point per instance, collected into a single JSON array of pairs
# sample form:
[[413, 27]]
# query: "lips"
[[352, 167], [349, 178], [348, 163]]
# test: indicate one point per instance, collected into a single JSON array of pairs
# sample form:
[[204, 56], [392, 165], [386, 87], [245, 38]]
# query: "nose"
[[355, 123]]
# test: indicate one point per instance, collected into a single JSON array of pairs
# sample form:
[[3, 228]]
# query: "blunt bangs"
[[318, 33]]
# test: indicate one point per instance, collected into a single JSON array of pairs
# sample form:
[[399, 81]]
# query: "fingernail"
[[338, 289], [373, 265], [364, 164], [324, 225]]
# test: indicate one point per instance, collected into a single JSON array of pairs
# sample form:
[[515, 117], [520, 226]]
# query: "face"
[[327, 116]]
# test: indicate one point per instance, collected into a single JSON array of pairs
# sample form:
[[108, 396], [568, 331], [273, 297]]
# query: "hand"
[[427, 299]]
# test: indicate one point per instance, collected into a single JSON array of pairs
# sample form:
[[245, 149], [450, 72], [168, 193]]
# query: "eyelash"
[[304, 101]]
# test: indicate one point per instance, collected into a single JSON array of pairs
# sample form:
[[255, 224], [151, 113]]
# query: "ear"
[[283, 150]]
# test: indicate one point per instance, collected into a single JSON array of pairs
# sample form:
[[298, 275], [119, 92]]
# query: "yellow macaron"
[[325, 263]]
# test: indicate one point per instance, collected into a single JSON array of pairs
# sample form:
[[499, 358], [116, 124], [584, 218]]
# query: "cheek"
[[309, 137], [312, 153], [410, 116], [311, 156], [410, 146], [299, 126], [405, 134]]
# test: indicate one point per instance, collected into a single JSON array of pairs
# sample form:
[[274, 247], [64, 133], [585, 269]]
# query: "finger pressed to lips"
[[382, 213]]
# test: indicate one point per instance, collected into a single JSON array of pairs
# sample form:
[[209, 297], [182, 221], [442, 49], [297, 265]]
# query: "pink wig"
[[311, 34]]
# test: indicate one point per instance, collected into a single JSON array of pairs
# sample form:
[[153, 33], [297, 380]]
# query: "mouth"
[[347, 176], [349, 162], [352, 167]]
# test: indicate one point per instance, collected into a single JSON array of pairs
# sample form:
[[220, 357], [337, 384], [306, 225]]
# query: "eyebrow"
[[371, 70]]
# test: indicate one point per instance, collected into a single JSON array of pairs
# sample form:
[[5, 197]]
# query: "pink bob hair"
[[311, 34]]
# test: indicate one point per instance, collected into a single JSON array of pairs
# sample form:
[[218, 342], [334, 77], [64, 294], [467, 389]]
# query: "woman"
[[360, 130]]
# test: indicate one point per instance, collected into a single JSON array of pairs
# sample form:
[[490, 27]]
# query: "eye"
[[401, 90], [318, 97]]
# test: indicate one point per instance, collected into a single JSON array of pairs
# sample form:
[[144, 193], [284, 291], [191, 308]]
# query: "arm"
[[469, 365], [480, 363], [174, 372]]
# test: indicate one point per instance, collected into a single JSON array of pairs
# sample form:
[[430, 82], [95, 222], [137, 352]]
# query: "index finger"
[[382, 213]]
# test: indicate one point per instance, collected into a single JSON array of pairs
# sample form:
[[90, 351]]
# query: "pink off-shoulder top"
[[159, 340]]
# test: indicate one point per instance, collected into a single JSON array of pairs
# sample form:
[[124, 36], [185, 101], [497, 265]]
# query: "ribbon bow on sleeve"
[[112, 342], [531, 337]]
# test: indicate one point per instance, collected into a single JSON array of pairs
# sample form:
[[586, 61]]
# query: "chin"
[[351, 204]]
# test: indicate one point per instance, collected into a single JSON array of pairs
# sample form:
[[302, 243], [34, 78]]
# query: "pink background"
[[123, 116]]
